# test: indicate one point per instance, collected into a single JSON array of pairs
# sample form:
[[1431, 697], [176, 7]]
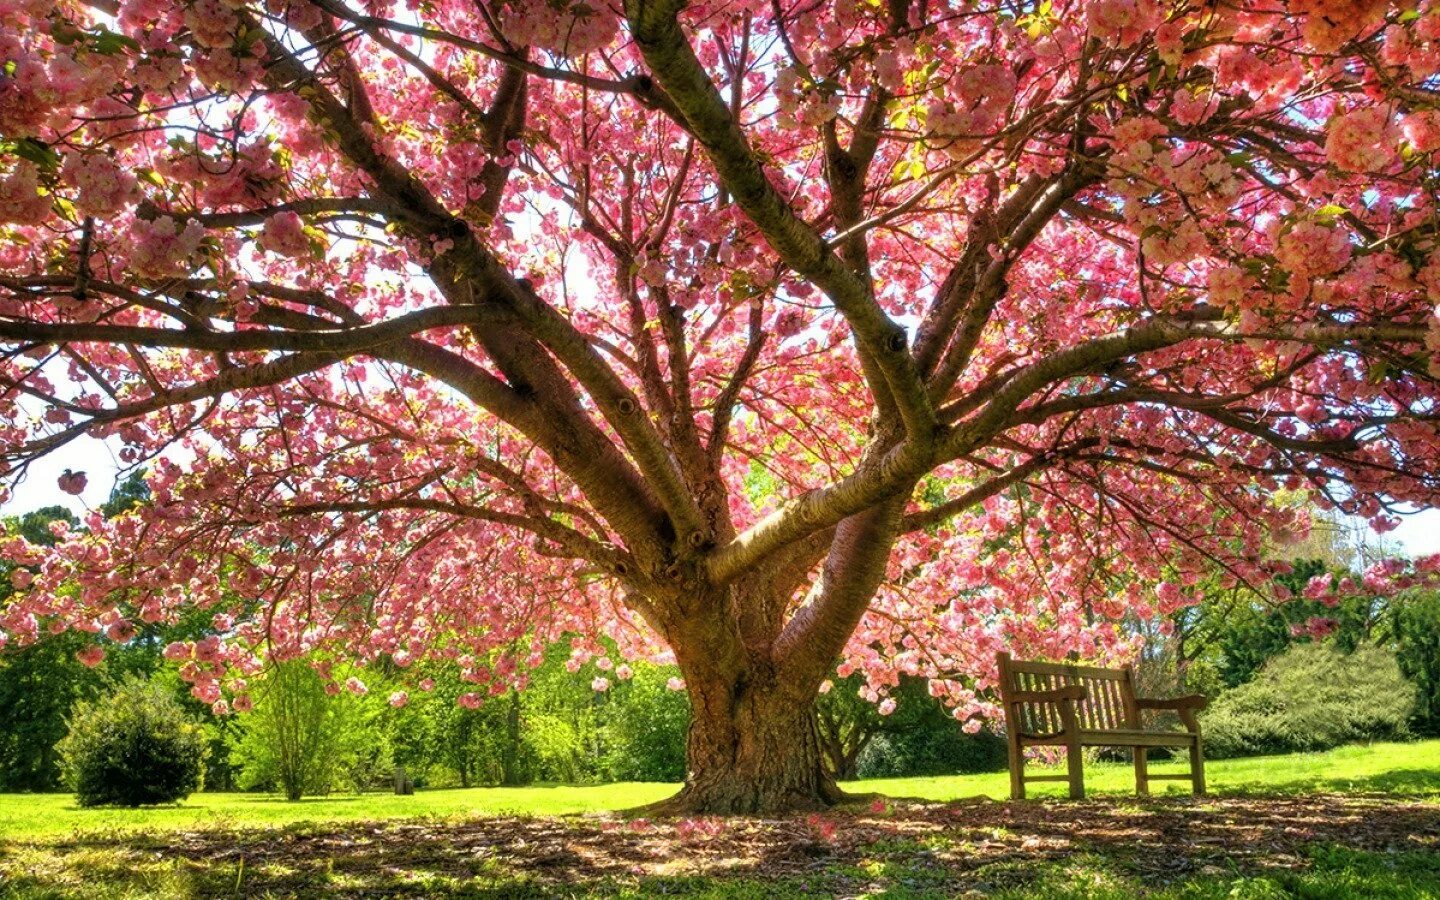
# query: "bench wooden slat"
[[1124, 738], [1047, 668]]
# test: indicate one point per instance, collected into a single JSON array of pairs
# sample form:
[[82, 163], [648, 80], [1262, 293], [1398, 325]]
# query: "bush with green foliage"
[[1311, 697], [133, 748], [933, 747], [1412, 624]]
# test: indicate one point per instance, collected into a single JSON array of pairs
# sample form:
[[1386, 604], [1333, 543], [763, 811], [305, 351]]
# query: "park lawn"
[[1361, 821], [1405, 768], [26, 816]]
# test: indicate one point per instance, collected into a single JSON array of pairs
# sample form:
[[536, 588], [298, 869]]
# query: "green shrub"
[[132, 748], [1311, 697], [933, 748], [1413, 625]]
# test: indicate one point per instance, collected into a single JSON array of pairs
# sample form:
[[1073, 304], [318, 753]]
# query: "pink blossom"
[[399, 699], [570, 27], [20, 197], [600, 683], [1361, 140], [72, 482], [212, 23], [1227, 286], [104, 187], [91, 655], [284, 235], [1311, 249], [1122, 22], [162, 248], [1422, 130], [1192, 107]]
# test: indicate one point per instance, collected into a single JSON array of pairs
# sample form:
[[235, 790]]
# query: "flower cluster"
[[163, 248], [284, 235], [1362, 140]]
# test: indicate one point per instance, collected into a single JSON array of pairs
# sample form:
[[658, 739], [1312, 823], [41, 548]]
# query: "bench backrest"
[[1109, 703]]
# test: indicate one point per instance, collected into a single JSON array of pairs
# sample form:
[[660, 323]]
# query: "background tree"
[[295, 734], [755, 335], [40, 683]]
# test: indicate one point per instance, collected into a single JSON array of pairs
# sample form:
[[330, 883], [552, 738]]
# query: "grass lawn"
[[1356, 822]]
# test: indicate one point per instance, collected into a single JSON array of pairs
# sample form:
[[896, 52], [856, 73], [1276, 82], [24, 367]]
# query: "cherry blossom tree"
[[773, 336]]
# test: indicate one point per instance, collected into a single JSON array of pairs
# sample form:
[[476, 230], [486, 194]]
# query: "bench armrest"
[[1190, 701], [1069, 692]]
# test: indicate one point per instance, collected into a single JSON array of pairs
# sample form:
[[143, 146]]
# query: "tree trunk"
[[752, 749], [510, 753], [753, 672]]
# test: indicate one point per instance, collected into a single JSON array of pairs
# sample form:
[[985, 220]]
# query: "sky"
[[1418, 534]]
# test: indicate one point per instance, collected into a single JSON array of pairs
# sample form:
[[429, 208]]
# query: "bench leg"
[[1142, 772], [1017, 772], [1197, 767], [1075, 761]]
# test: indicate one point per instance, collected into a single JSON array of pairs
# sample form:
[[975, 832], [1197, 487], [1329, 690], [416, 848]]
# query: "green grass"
[[1412, 768], [25, 816]]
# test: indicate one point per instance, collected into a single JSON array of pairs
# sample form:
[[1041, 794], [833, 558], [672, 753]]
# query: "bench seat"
[[1120, 737]]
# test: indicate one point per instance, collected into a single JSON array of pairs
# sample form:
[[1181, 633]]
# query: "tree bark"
[[753, 748], [510, 774]]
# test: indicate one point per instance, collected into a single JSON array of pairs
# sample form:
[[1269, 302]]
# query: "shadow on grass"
[[1251, 846]]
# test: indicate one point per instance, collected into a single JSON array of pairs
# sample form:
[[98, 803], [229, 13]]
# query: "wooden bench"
[[1061, 705]]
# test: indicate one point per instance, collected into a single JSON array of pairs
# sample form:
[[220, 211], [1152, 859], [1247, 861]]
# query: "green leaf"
[[66, 209], [38, 153], [109, 43]]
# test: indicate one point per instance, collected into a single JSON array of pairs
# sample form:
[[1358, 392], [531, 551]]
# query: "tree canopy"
[[765, 334]]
